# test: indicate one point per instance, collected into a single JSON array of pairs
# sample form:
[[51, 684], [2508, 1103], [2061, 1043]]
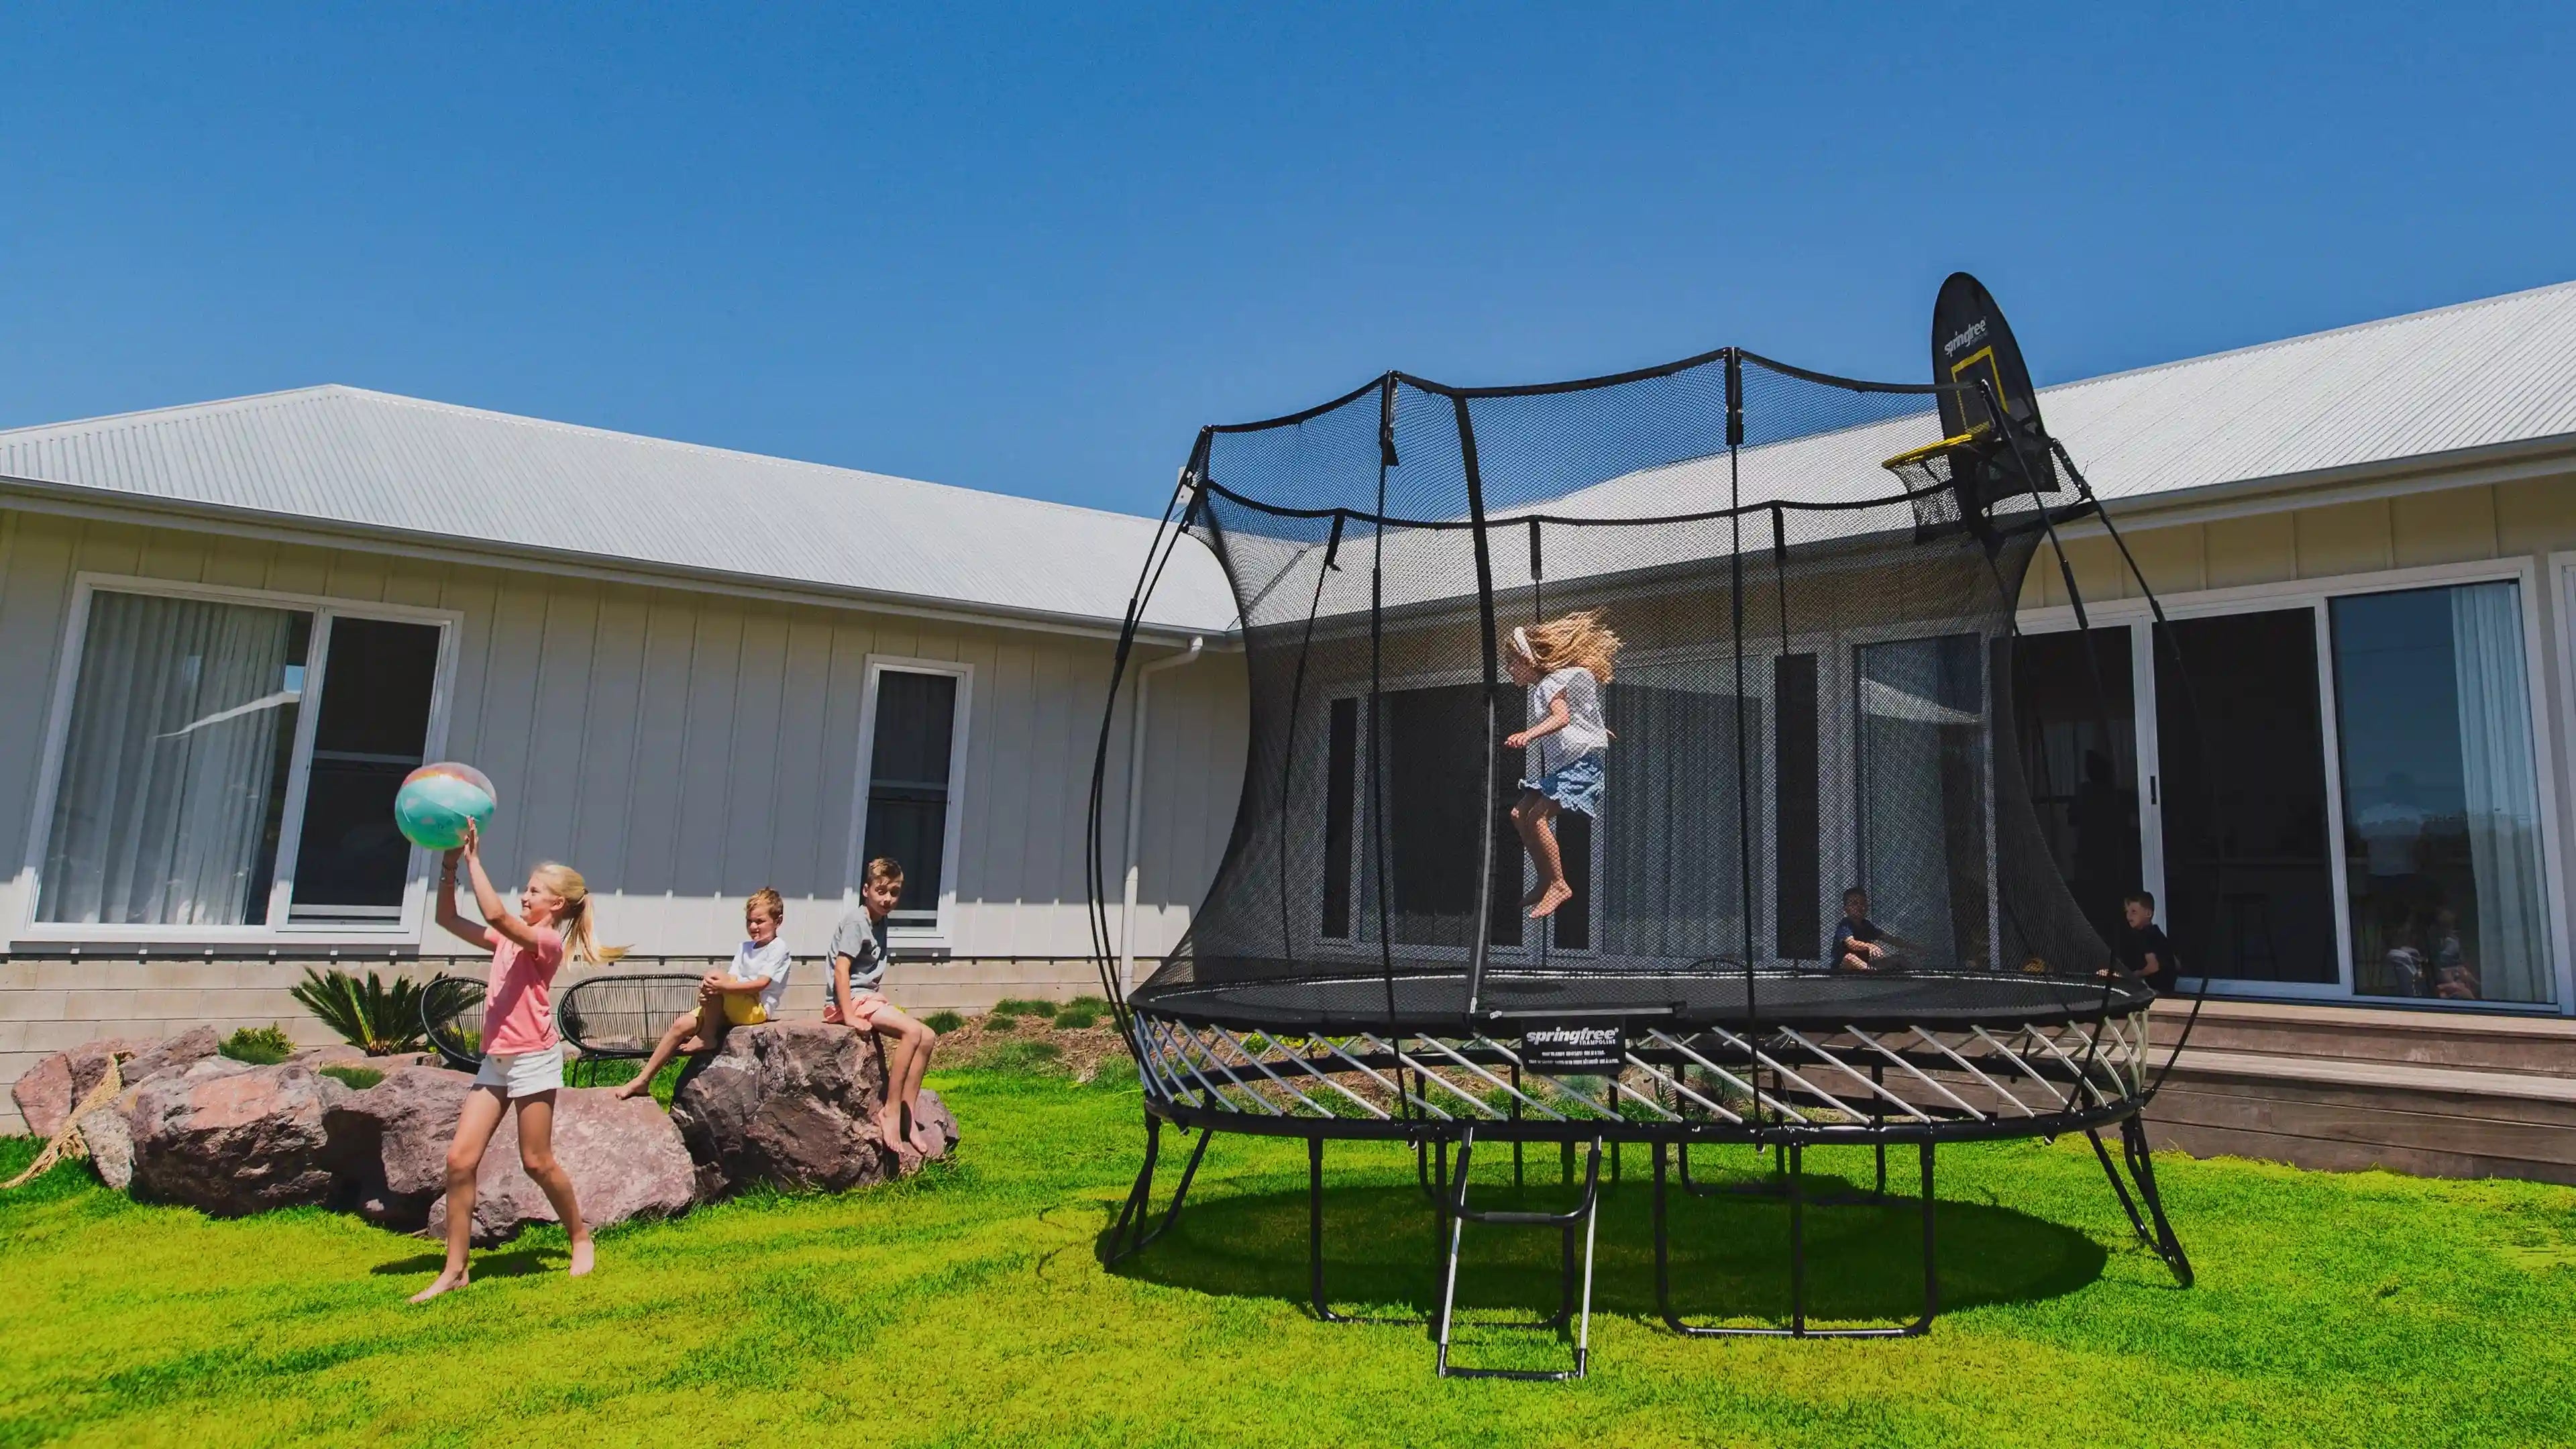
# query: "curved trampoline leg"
[[1129, 1235], [2155, 1231]]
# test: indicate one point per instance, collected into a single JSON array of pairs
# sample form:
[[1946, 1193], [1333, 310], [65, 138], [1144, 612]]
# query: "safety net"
[[1813, 596]]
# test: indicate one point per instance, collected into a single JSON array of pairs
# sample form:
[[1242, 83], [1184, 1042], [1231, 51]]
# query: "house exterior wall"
[[681, 748]]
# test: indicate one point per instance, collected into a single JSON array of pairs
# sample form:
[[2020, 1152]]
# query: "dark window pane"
[[1341, 775], [1430, 750], [1799, 908], [908, 766], [2076, 715], [2241, 751], [377, 680]]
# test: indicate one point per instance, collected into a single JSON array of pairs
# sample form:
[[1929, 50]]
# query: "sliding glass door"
[[2333, 797]]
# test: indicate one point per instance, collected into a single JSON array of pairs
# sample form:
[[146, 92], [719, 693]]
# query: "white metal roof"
[[2460, 378], [344, 457]]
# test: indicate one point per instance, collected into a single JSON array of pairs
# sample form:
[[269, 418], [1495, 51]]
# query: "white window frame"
[[2316, 596], [942, 936], [277, 929]]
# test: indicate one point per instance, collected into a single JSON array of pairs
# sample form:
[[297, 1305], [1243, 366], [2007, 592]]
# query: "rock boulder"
[[389, 1144], [625, 1159], [229, 1138], [50, 1089], [173, 1054], [794, 1104]]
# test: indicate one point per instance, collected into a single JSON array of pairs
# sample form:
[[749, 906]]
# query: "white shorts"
[[522, 1074]]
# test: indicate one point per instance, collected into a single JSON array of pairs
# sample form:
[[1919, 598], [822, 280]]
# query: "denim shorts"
[[1575, 785]]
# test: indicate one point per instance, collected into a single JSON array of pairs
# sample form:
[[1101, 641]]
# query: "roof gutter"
[[74, 501], [1136, 806], [2483, 466]]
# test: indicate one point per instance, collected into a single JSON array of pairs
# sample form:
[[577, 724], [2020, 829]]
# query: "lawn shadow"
[[1730, 1254], [516, 1263]]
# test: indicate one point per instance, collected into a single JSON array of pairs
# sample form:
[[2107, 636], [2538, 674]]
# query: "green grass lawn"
[[967, 1308]]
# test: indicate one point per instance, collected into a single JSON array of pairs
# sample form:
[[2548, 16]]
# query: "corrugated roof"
[[2475, 375], [2479, 374], [373, 461]]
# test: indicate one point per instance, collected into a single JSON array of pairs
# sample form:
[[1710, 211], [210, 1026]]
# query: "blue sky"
[[1031, 249]]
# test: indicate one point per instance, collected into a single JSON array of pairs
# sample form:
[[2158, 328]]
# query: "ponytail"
[[581, 943]]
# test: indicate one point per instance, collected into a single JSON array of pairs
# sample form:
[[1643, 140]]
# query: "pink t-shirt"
[[518, 1003]]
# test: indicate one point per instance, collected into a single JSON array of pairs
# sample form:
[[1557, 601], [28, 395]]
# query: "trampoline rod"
[[1484, 937]]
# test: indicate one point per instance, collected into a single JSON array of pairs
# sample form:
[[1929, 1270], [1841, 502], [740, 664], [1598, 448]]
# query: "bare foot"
[[890, 1125], [581, 1260], [926, 1139], [1530, 897], [1549, 899], [446, 1283]]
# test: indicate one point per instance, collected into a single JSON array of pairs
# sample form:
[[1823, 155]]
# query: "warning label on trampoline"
[[1575, 1048]]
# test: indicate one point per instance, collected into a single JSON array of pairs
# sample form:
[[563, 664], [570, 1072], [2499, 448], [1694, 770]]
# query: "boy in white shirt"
[[748, 991], [858, 960]]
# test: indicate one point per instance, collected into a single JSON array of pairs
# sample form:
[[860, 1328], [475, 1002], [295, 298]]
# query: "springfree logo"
[[1575, 1048], [1969, 338], [1572, 1038]]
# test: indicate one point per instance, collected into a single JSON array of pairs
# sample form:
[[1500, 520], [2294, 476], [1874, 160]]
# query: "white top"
[[751, 962], [1585, 732]]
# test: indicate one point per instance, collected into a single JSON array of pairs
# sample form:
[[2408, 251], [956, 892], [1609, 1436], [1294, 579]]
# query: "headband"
[[1521, 644]]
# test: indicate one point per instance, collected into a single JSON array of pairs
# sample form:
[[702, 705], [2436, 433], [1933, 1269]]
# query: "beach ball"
[[435, 801]]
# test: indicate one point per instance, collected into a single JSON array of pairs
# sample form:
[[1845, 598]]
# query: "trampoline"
[[1816, 580]]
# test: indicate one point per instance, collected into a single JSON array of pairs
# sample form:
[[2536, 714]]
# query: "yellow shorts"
[[743, 1008]]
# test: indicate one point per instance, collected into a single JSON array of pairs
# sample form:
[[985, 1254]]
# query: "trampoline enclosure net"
[[1814, 694]]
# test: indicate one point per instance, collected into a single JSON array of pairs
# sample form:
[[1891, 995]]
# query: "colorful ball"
[[435, 801]]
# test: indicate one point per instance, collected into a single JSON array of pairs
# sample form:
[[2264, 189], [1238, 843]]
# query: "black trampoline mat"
[[1517, 1000]]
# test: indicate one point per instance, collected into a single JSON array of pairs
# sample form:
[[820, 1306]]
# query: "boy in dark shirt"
[[2144, 951], [1861, 944]]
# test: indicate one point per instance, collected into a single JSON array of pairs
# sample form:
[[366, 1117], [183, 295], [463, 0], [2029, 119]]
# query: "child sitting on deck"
[[858, 970], [748, 991]]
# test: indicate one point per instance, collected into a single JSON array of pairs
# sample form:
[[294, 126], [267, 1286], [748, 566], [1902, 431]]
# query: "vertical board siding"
[[682, 749]]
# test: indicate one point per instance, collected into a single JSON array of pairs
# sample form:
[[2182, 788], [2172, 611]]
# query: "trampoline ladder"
[[1572, 1311]]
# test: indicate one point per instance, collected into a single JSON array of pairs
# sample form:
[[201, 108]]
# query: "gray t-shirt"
[[863, 941]]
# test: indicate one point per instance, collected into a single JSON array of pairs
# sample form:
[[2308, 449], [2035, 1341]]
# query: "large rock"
[[174, 1054], [230, 1138], [389, 1143], [51, 1088], [110, 1138], [625, 1159], [794, 1104]]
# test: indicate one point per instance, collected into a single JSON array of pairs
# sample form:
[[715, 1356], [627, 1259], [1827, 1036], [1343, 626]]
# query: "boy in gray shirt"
[[858, 971]]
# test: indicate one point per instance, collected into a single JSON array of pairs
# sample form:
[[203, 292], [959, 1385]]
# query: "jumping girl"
[[1563, 664], [522, 1056]]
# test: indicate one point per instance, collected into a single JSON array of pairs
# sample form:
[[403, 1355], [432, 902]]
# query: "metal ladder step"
[[1571, 1309]]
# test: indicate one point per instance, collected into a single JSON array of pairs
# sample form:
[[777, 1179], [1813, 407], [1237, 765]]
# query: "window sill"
[[300, 941]]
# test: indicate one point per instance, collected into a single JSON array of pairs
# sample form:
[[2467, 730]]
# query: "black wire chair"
[[619, 1018], [451, 1016]]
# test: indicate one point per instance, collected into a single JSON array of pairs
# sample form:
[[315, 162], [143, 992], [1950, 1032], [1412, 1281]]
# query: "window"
[[1922, 794], [2441, 817], [915, 767], [197, 790]]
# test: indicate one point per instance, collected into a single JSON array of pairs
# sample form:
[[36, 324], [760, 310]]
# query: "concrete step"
[[2472, 1041], [2344, 1114]]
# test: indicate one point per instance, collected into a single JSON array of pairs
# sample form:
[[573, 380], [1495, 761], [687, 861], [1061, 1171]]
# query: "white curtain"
[[1922, 831], [2502, 793], [173, 764]]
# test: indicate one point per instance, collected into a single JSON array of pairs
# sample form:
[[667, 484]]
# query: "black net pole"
[[1484, 934], [1743, 813], [1386, 459]]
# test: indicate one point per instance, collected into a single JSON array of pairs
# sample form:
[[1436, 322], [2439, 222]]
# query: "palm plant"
[[376, 1016]]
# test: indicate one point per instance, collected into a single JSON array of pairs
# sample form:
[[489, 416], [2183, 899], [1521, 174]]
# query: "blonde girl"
[[1563, 664], [522, 1056]]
